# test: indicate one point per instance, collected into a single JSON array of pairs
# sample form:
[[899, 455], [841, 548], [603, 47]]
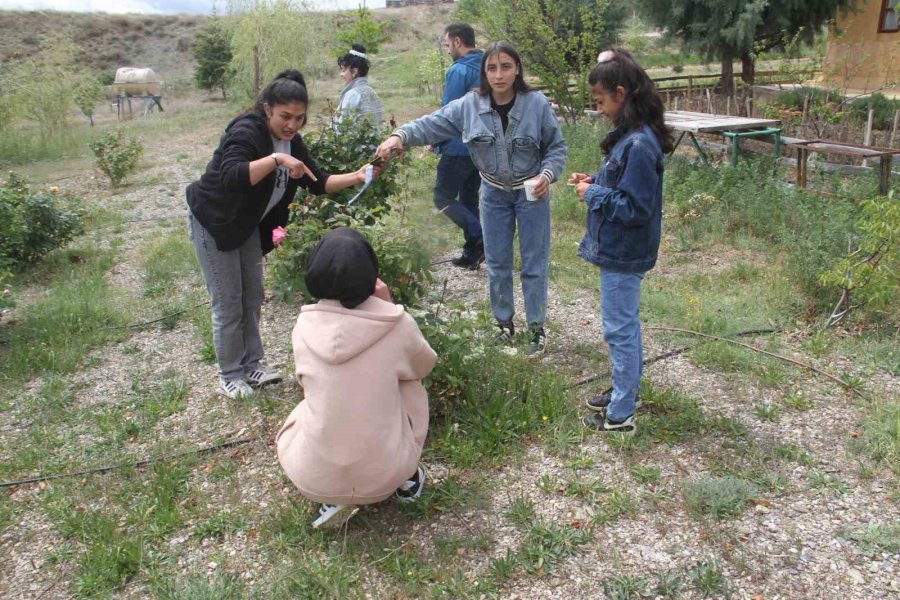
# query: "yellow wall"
[[858, 57]]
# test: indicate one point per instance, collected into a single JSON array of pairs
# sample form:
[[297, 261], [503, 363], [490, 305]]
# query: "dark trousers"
[[458, 178]]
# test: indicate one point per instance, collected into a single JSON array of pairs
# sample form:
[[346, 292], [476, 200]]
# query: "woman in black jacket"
[[234, 207]]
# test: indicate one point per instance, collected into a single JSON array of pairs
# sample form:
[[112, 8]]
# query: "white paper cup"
[[529, 185]]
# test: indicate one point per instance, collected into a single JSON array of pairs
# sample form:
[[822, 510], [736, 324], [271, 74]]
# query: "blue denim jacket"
[[532, 143], [624, 219]]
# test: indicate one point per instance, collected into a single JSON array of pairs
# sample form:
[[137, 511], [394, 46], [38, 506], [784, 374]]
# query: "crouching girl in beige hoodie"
[[357, 436]]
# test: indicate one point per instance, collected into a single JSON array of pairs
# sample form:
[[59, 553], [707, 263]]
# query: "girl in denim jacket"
[[624, 201], [513, 136]]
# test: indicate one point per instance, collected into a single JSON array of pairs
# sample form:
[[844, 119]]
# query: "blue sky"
[[156, 6]]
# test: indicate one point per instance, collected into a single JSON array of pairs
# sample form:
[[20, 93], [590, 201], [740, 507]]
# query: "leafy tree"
[[213, 55], [366, 31], [88, 93], [732, 29], [272, 35], [558, 41]]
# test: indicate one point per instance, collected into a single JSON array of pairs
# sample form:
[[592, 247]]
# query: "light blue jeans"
[[620, 299], [501, 212]]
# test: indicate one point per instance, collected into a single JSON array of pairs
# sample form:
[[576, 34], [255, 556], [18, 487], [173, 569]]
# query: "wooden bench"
[[885, 156]]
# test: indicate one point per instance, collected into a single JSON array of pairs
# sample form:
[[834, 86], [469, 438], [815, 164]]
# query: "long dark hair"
[[352, 61], [507, 48], [288, 86], [642, 104]]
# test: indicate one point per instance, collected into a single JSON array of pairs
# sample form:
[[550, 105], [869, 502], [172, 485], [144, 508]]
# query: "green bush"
[[884, 110], [747, 201], [31, 224], [405, 264], [117, 157], [800, 95]]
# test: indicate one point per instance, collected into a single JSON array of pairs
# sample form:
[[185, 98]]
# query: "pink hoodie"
[[359, 432]]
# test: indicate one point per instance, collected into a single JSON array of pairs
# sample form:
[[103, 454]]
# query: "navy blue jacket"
[[624, 219], [463, 75]]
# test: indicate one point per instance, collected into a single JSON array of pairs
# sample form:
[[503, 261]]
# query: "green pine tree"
[[739, 29], [213, 55]]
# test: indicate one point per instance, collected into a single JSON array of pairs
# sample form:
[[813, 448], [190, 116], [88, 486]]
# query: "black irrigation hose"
[[163, 318], [140, 463], [669, 354]]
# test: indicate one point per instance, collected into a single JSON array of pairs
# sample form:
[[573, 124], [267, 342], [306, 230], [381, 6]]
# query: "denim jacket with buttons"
[[624, 219], [531, 145]]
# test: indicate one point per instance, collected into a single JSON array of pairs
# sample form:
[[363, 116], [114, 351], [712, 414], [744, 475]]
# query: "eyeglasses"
[[605, 56]]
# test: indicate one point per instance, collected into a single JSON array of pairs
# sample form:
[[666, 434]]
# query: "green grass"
[[79, 312], [880, 435], [708, 579], [717, 497], [878, 537]]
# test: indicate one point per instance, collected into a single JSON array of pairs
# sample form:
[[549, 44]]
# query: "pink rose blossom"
[[278, 235]]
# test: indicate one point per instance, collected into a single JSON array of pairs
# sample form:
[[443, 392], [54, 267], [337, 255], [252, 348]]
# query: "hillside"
[[162, 42]]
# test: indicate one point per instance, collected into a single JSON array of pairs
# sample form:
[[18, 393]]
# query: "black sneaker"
[[599, 403], [468, 260], [599, 423], [507, 332], [537, 342], [412, 488]]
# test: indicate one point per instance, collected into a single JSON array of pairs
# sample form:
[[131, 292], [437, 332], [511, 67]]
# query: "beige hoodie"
[[358, 434]]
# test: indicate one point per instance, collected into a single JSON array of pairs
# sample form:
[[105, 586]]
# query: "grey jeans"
[[234, 280]]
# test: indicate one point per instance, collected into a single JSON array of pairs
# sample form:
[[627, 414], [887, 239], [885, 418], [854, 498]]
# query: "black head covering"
[[342, 266]]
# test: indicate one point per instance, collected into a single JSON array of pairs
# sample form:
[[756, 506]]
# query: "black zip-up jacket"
[[225, 203]]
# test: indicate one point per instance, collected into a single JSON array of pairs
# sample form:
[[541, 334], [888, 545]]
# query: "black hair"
[[351, 61], [288, 86], [642, 104], [507, 48], [463, 31]]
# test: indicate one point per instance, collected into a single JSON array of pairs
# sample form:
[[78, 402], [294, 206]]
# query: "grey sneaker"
[[599, 423], [262, 376], [537, 343], [333, 516], [507, 332], [235, 389], [599, 403]]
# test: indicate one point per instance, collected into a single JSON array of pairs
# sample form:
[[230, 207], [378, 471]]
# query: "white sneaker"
[[263, 376], [235, 389], [334, 515]]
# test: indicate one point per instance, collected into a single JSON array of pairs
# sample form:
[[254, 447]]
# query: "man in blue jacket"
[[457, 177]]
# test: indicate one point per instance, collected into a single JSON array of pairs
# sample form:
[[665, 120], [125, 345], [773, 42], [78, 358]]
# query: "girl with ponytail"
[[624, 201], [233, 210]]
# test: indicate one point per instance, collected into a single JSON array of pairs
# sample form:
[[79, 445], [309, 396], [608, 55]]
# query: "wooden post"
[[709, 107], [884, 179], [749, 108], [802, 155], [676, 101], [867, 138], [690, 87], [894, 128], [728, 105], [256, 70]]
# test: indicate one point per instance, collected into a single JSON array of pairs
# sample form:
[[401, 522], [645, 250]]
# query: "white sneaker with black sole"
[[235, 388], [332, 516], [262, 376], [411, 490]]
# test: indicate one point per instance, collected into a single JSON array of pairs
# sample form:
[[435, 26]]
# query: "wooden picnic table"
[[734, 128]]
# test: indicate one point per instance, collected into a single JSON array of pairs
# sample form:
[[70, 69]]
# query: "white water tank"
[[134, 80]]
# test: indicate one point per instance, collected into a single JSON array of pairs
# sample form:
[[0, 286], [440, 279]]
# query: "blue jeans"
[[620, 299], [501, 212], [458, 177]]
